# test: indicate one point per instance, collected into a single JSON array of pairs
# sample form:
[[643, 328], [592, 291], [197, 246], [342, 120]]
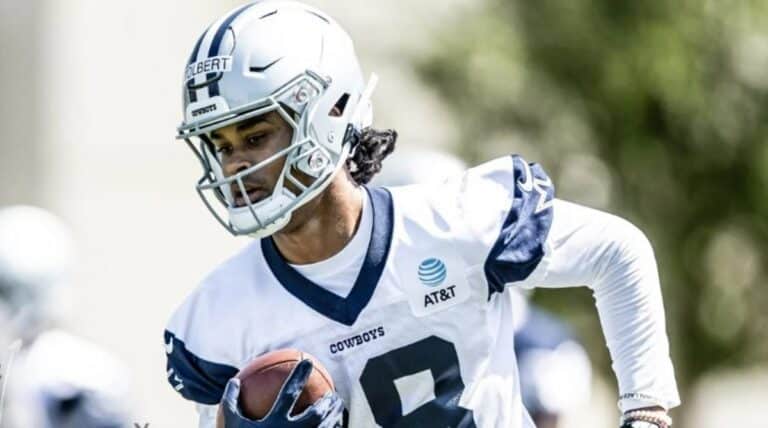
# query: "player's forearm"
[[629, 302], [615, 259]]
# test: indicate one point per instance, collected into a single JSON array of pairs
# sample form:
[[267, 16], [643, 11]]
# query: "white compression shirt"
[[337, 274]]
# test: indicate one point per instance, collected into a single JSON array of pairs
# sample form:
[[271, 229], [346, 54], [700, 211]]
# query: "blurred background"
[[654, 110]]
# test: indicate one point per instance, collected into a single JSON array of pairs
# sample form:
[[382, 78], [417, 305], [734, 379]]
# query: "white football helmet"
[[278, 56], [36, 255]]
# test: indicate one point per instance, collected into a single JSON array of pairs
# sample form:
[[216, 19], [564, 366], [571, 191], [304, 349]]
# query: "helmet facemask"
[[304, 153]]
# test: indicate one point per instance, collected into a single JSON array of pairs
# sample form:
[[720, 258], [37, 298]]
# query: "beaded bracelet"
[[654, 416]]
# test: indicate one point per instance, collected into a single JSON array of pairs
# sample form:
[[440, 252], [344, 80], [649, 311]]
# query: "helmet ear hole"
[[341, 104]]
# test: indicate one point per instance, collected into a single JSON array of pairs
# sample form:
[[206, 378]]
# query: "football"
[[262, 378]]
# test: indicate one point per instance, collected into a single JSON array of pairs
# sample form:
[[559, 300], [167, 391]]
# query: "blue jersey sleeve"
[[519, 246], [193, 377]]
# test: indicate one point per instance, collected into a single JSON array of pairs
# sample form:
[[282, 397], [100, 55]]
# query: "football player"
[[54, 379], [555, 373], [399, 292]]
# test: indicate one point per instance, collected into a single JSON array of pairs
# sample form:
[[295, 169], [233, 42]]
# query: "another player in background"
[[401, 292], [555, 373], [54, 379]]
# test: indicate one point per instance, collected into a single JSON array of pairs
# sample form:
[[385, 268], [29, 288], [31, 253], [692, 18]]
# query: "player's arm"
[[197, 379], [537, 240], [215, 390], [615, 259]]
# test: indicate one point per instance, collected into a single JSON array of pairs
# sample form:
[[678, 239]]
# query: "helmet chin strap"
[[270, 209], [271, 228], [362, 117]]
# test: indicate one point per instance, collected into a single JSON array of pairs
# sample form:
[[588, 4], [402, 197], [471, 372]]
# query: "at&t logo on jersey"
[[435, 280], [432, 272]]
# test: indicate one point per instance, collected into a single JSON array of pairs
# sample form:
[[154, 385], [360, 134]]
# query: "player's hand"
[[327, 412]]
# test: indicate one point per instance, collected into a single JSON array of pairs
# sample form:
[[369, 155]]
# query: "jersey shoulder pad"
[[200, 360], [497, 214], [522, 230]]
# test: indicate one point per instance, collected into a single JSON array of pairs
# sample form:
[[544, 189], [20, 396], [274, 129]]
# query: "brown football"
[[262, 378]]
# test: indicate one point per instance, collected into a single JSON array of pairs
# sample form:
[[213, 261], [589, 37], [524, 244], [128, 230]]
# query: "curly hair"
[[374, 145]]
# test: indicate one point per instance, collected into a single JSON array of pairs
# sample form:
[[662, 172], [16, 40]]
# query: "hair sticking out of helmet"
[[369, 153]]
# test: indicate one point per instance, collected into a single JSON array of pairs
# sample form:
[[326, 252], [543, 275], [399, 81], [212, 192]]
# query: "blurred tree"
[[662, 107]]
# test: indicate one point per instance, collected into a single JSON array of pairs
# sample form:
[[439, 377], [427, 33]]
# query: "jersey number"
[[433, 354]]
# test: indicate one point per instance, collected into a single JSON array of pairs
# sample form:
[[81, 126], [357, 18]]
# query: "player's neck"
[[324, 228]]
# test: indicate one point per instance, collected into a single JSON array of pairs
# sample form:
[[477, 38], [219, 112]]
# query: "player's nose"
[[236, 164]]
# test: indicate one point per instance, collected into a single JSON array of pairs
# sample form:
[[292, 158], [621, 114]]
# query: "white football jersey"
[[425, 338]]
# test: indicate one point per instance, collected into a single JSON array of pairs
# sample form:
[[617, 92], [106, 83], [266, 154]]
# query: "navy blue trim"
[[213, 88], [520, 245], [192, 58], [343, 310], [194, 378]]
